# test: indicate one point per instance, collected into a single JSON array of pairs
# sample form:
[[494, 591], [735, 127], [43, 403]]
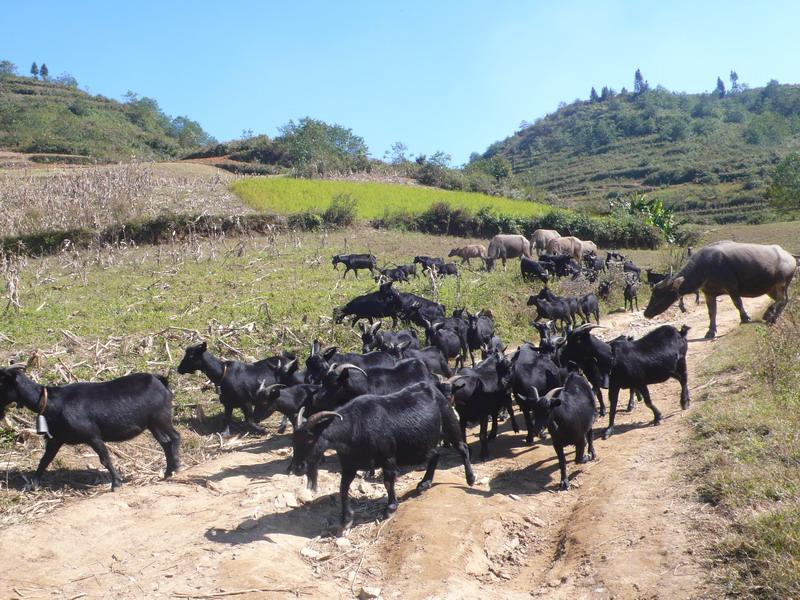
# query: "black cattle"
[[386, 431], [95, 413], [354, 262], [237, 382]]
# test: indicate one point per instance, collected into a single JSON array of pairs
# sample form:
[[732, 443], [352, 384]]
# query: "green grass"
[[746, 440], [285, 195]]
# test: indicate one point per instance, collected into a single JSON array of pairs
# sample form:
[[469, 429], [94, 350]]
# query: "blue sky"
[[437, 75]]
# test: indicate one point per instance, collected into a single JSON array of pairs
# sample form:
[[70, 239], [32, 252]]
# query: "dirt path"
[[239, 527]]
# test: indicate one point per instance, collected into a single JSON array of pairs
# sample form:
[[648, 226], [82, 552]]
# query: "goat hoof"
[[685, 405], [423, 485], [607, 432], [471, 479], [116, 486], [389, 510], [583, 460], [529, 440], [710, 334], [564, 485], [656, 421]]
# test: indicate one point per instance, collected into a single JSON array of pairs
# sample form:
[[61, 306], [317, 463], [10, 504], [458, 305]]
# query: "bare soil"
[[238, 526]]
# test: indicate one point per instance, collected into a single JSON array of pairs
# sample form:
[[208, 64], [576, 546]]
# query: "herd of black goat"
[[394, 403]]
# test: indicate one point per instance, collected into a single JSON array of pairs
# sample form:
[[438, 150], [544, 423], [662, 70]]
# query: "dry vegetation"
[[93, 198]]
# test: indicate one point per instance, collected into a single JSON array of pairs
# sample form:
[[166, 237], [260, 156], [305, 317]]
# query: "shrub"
[[341, 212]]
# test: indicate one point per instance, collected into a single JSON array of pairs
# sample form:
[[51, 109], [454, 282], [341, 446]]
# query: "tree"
[[720, 91], [35, 70], [7, 68], [593, 97], [606, 93], [640, 85], [735, 89], [784, 188], [397, 154], [499, 167], [317, 147], [66, 80], [44, 71]]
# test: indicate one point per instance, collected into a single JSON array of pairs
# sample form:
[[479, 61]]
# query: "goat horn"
[[299, 422], [343, 366], [268, 388], [376, 327], [363, 327], [317, 417], [549, 395], [288, 365], [452, 379], [535, 394]]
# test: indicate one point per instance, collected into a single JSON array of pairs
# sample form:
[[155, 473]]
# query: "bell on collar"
[[41, 426]]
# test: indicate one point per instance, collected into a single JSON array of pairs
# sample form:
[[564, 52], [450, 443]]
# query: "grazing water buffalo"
[[467, 252], [504, 246], [540, 238], [739, 270]]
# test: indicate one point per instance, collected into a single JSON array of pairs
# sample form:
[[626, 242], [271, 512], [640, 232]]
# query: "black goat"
[[237, 381], [594, 262], [589, 306], [409, 270], [387, 431], [631, 294], [531, 373], [430, 355], [343, 382], [429, 262], [555, 310], [370, 306], [411, 307], [614, 257], [95, 413], [562, 264], [391, 274], [372, 339], [354, 262], [447, 269], [604, 289], [286, 400], [480, 331], [531, 269], [631, 271], [481, 392], [568, 413], [633, 364], [320, 360], [653, 277]]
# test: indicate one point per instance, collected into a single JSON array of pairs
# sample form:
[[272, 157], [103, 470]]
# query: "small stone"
[[536, 521], [248, 525], [369, 593], [290, 499], [483, 481], [343, 543], [309, 553], [513, 497]]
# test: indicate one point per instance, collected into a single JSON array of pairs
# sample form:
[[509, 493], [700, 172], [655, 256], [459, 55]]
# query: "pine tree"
[[593, 95], [35, 70], [720, 91], [640, 85], [735, 89], [44, 71]]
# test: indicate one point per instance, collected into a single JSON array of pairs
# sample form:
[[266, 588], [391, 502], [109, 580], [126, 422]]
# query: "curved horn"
[[325, 414], [452, 379], [479, 313], [268, 389], [549, 395], [363, 327], [289, 365], [535, 394], [586, 327], [343, 366], [375, 327], [299, 421]]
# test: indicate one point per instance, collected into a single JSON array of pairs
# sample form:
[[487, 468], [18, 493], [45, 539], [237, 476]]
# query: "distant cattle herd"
[[395, 402]]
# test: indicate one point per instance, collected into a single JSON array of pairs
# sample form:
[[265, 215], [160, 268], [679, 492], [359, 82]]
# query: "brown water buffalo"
[[504, 246], [726, 267], [566, 245], [467, 252], [540, 238]]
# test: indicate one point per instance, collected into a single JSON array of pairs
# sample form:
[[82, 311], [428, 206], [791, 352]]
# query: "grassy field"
[[746, 437], [285, 195], [786, 234]]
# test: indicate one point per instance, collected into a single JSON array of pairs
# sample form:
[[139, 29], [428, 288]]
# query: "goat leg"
[[613, 398], [651, 406], [99, 446], [348, 474], [427, 480], [389, 478], [50, 450], [562, 465]]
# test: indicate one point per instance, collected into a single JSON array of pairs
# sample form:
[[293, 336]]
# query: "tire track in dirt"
[[626, 529]]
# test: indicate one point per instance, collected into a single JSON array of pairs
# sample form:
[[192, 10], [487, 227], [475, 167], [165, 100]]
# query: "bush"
[[341, 212]]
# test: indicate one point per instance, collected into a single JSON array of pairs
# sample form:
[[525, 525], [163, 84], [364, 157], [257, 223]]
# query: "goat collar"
[[43, 401]]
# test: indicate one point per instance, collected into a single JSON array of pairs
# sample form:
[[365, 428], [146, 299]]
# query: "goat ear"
[[677, 282], [315, 347], [363, 327], [555, 402]]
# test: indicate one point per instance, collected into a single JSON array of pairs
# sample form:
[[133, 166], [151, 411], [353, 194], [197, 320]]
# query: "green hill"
[[706, 155], [55, 119]]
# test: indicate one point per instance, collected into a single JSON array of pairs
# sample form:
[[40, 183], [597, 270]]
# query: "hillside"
[[51, 119], [709, 156]]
